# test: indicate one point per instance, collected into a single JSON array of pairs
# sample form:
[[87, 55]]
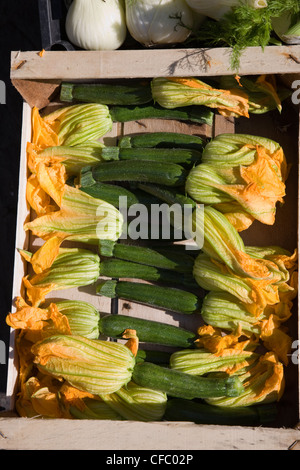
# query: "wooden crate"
[[38, 78]]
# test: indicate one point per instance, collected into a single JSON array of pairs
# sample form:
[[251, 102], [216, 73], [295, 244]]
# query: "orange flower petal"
[[275, 339], [52, 180], [274, 385], [37, 198], [133, 341], [36, 295], [44, 257], [42, 133], [38, 322], [213, 340]]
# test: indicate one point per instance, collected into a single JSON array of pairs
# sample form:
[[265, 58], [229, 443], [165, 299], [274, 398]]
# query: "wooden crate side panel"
[[147, 63], [298, 236], [22, 242], [36, 434]]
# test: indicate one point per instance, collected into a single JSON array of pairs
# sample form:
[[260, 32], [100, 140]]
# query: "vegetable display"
[[78, 362]]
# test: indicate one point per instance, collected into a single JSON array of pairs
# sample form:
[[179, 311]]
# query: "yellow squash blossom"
[[264, 93], [73, 267], [222, 242], [83, 405], [94, 366], [39, 398], [36, 322], [72, 215], [137, 403], [256, 294], [173, 92], [221, 310], [70, 125], [213, 340], [263, 382], [202, 361], [242, 176], [73, 158]]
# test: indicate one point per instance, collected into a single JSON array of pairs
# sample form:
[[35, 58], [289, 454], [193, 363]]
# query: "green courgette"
[[202, 413], [172, 155], [169, 174], [148, 331], [167, 298], [153, 355], [180, 385], [116, 268], [112, 193], [162, 140], [169, 196], [109, 94], [198, 114], [174, 258]]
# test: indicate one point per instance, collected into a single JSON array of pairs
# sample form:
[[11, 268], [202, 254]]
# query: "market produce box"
[[41, 86]]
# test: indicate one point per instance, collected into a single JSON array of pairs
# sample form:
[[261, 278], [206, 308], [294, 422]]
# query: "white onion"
[[96, 24], [158, 22]]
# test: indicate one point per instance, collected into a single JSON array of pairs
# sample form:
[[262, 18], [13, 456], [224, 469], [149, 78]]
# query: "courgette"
[[116, 268], [110, 193], [169, 174], [169, 196], [198, 114], [183, 156], [162, 140], [153, 355], [148, 331], [113, 192], [138, 93], [167, 298], [174, 259], [201, 413], [180, 385]]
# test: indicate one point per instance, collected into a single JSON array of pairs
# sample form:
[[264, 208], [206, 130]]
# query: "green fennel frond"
[[244, 26]]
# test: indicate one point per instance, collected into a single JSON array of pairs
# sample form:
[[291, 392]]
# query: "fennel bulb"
[[216, 9], [157, 22], [96, 24], [287, 28]]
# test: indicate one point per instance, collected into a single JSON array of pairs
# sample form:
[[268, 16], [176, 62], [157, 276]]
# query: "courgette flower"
[[40, 398], [223, 243], [73, 267], [263, 382], [242, 176], [202, 361], [62, 317], [38, 323], [70, 125], [263, 91], [94, 366], [223, 311], [256, 294], [173, 92], [137, 403], [73, 158], [84, 405], [83, 317], [80, 216]]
